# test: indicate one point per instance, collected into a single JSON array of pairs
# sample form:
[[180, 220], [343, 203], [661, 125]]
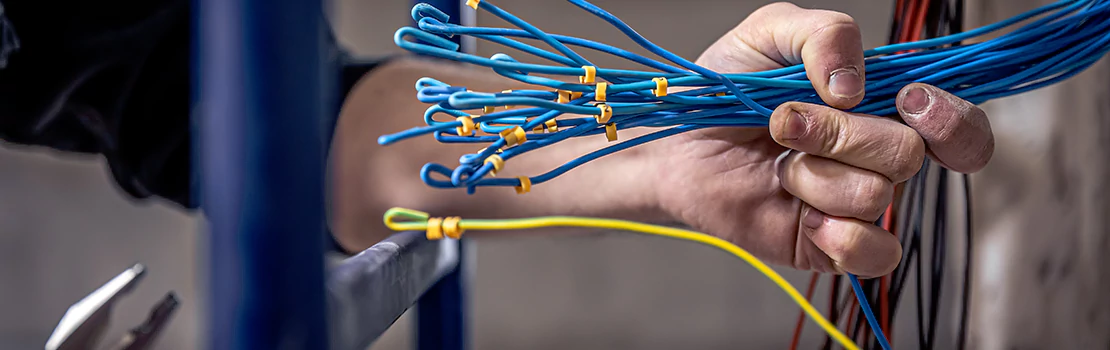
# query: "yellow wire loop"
[[599, 92], [611, 132], [434, 229], [498, 163], [660, 89], [420, 221], [590, 75], [467, 127], [507, 92], [525, 185], [514, 136], [451, 227], [604, 113]]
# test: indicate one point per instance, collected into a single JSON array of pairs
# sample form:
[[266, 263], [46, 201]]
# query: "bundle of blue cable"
[[1065, 38], [1061, 40]]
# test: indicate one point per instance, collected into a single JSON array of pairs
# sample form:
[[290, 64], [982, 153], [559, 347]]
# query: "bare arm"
[[369, 178]]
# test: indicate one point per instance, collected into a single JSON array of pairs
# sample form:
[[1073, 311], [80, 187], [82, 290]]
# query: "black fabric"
[[108, 77]]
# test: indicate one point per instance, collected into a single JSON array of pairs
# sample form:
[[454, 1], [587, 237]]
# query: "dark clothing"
[[110, 77]]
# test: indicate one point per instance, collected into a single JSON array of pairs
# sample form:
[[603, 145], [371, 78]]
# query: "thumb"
[[828, 43]]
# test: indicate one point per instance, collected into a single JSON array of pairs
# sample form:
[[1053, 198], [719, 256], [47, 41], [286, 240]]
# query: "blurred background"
[[65, 229]]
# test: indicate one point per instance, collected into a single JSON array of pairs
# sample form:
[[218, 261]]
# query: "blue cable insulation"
[[1068, 37]]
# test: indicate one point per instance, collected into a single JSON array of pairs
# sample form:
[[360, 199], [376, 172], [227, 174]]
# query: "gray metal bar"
[[369, 291]]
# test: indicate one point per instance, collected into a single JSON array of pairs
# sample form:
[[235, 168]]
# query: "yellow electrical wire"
[[418, 221]]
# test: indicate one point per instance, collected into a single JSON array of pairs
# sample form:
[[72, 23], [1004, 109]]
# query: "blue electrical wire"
[[1065, 38], [868, 313]]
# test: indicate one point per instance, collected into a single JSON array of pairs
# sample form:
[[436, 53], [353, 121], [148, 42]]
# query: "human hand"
[[806, 193]]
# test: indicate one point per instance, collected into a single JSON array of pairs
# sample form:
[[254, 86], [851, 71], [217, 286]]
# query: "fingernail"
[[813, 218], [845, 83], [794, 127], [917, 101]]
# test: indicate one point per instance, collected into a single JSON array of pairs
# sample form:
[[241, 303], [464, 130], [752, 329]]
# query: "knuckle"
[[846, 244], [908, 156], [871, 196], [836, 21], [836, 135], [772, 10]]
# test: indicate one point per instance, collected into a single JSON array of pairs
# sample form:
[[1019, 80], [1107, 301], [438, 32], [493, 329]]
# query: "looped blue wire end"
[[435, 41], [422, 10], [1070, 36]]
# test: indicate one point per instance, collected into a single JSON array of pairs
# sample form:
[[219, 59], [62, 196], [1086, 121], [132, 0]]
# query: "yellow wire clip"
[[660, 89], [720, 94], [498, 163], [551, 126], [514, 136], [525, 185], [487, 109], [507, 92], [599, 93], [564, 96], [467, 128], [450, 227], [435, 229], [606, 112], [590, 76], [473, 3], [611, 132]]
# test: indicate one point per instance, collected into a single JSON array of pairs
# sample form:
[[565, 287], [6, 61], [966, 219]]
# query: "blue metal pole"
[[441, 312], [261, 99]]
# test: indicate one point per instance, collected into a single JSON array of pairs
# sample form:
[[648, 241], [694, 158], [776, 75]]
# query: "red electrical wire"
[[884, 284], [801, 314], [919, 22]]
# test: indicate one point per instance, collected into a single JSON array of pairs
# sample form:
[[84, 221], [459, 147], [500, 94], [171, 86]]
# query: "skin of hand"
[[806, 194], [801, 193]]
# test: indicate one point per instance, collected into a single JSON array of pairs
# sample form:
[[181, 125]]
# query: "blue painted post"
[[441, 312], [262, 89]]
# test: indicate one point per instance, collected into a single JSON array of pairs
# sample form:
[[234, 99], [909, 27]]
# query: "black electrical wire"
[[834, 314], [965, 296], [940, 238]]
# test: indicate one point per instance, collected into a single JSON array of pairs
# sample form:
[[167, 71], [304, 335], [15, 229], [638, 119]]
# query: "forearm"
[[369, 178]]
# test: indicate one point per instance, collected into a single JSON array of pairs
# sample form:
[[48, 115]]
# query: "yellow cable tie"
[[552, 125], [451, 227], [507, 92], [599, 93], [574, 95], [487, 109], [525, 185], [473, 3], [514, 136], [611, 132], [564, 96], [498, 163], [467, 128], [590, 75], [720, 94], [435, 229], [660, 89], [605, 114]]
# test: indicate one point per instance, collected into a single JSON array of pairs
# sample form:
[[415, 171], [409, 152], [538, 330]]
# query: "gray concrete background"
[[65, 229]]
